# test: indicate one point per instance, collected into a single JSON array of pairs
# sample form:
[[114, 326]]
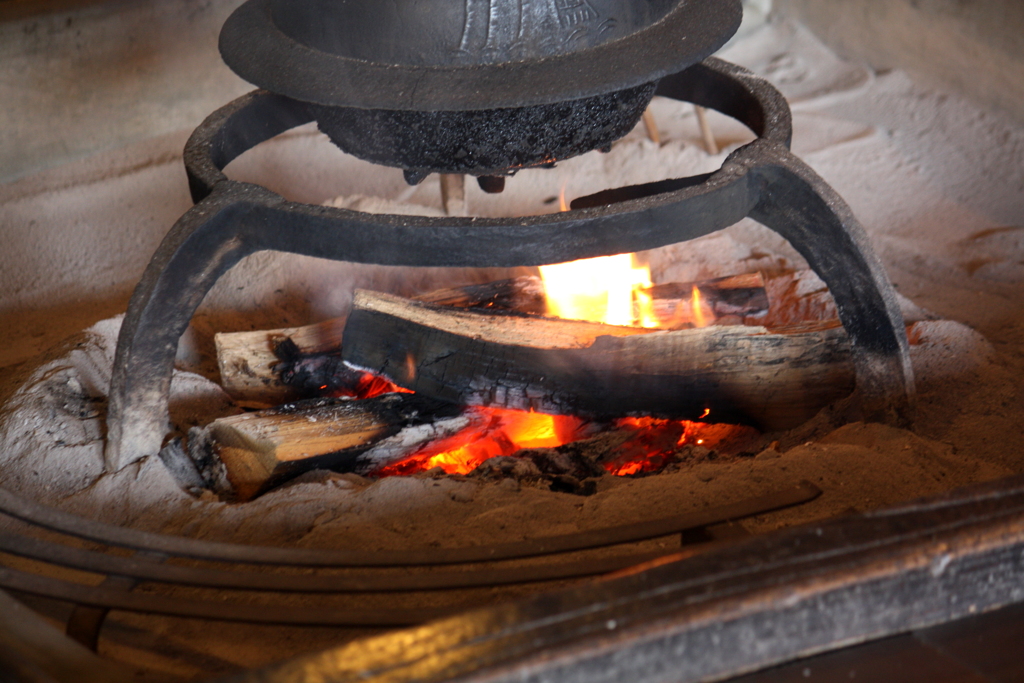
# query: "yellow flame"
[[606, 289], [697, 306], [601, 290]]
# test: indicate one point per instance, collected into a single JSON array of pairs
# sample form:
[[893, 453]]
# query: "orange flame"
[[369, 385], [492, 432]]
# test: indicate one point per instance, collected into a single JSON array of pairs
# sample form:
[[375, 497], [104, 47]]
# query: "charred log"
[[243, 455], [741, 374], [263, 369]]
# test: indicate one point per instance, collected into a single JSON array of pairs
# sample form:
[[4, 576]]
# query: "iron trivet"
[[762, 180], [487, 87]]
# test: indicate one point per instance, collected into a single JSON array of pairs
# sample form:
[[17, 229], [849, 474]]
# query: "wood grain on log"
[[735, 297], [261, 449], [247, 360], [742, 374]]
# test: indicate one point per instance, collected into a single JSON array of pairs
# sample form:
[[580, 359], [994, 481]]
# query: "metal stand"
[[762, 180]]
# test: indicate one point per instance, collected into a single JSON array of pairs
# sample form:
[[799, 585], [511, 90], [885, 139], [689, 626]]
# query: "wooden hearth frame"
[[745, 606]]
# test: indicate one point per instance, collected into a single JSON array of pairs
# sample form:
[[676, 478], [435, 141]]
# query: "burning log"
[[247, 454], [524, 294], [268, 367], [741, 374], [724, 299]]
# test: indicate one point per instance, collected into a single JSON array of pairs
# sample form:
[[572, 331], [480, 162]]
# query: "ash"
[[910, 161]]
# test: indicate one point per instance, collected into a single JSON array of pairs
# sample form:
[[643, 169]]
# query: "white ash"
[[406, 441]]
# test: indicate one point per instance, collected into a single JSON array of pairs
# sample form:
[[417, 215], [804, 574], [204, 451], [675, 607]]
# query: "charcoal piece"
[[313, 373], [182, 467]]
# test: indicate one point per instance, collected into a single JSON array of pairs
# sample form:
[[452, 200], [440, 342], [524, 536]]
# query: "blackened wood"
[[524, 294], [740, 374], [315, 374], [249, 361], [265, 368], [262, 449]]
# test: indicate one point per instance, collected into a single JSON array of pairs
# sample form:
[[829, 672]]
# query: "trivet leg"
[[204, 244], [801, 207]]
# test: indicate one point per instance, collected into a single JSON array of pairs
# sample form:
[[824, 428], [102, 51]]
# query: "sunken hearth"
[[456, 435], [513, 362]]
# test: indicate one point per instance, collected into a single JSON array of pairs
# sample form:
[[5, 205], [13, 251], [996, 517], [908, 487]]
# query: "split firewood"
[[453, 193], [710, 144], [741, 374], [248, 360], [244, 455], [265, 368], [651, 126]]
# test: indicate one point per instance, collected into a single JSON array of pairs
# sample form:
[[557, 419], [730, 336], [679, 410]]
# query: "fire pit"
[[349, 97], [768, 599]]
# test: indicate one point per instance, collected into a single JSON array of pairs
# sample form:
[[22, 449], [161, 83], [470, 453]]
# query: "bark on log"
[[249, 361], [742, 374], [260, 450]]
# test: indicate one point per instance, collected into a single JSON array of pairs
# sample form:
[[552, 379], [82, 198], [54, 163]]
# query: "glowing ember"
[[369, 385], [656, 442], [497, 432], [493, 432], [614, 290]]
